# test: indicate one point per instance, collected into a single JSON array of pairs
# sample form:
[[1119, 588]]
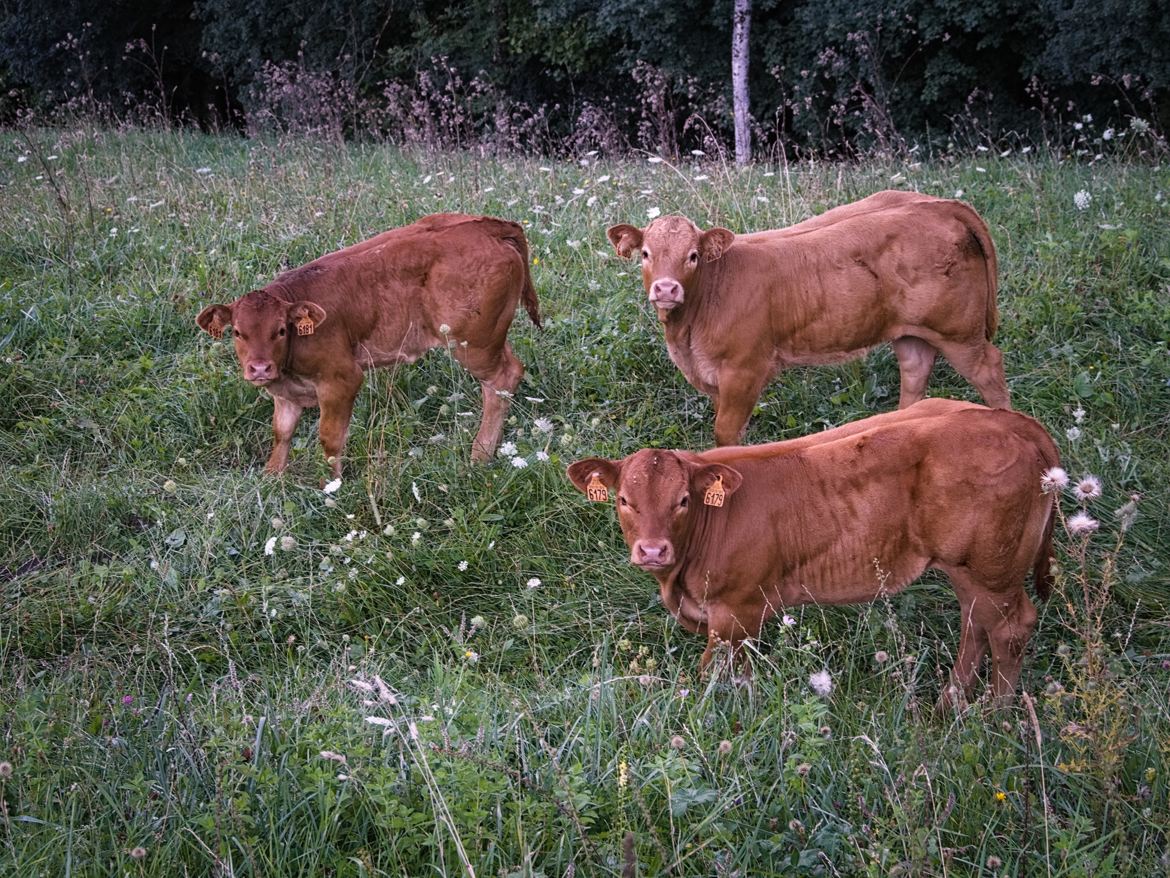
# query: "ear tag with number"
[[305, 326], [715, 493], [596, 491]]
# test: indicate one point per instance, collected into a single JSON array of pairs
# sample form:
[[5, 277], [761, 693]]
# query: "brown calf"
[[911, 269], [445, 280], [736, 535]]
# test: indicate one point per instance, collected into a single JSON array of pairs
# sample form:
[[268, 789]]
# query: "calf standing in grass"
[[308, 337], [736, 535], [910, 269]]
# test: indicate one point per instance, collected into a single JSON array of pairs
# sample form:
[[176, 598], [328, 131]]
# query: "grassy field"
[[178, 632]]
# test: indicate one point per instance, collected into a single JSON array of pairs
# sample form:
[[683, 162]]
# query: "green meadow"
[[179, 634]]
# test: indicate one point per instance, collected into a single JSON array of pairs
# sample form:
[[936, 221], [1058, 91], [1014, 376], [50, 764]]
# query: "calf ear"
[[716, 482], [625, 239], [714, 242], [306, 317], [214, 319], [593, 476]]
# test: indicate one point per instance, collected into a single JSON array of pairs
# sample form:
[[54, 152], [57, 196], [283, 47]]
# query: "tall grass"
[[167, 688]]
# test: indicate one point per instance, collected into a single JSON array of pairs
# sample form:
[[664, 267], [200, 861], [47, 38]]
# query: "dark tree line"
[[825, 75]]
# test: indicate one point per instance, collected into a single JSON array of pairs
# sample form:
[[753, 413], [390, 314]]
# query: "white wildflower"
[[821, 682], [1127, 514], [462, 566], [542, 456], [380, 721], [519, 462], [544, 425], [1082, 524], [1087, 488], [655, 160], [384, 692], [414, 491], [534, 582], [508, 449], [1082, 200], [400, 580], [415, 537], [653, 213], [1079, 414], [787, 621], [331, 487], [444, 329], [333, 757], [1107, 134], [270, 546], [361, 685], [1073, 433], [1054, 479]]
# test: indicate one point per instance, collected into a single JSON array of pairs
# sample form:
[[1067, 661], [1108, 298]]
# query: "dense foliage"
[[570, 76], [178, 632]]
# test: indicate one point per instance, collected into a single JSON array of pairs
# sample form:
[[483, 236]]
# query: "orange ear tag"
[[305, 326], [715, 494], [596, 491]]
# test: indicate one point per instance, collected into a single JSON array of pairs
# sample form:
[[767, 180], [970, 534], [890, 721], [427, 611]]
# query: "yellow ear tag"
[[596, 491], [305, 326], [715, 494]]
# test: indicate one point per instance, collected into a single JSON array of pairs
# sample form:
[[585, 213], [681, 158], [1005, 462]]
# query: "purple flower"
[[127, 700]]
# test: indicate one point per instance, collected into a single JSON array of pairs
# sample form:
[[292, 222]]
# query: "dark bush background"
[[827, 76]]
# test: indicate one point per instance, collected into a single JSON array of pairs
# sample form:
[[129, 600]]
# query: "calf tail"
[[1041, 570], [527, 291], [980, 237]]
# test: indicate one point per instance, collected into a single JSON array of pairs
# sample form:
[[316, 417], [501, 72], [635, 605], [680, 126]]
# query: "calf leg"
[[982, 365], [915, 360], [336, 397], [498, 371], [285, 415], [1010, 623], [737, 394], [724, 626], [973, 644]]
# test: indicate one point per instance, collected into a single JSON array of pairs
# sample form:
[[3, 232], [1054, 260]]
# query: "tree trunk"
[[740, 27]]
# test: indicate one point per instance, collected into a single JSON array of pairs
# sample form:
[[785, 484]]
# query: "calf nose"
[[666, 291], [655, 553], [258, 370]]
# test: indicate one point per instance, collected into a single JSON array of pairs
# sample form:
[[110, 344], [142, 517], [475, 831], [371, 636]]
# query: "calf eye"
[[281, 332], [694, 257], [622, 501], [685, 501], [645, 254]]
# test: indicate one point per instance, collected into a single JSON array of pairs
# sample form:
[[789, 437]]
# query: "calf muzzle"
[[652, 554]]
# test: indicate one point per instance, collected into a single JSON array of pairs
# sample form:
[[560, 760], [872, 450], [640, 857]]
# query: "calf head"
[[658, 493], [672, 249], [261, 327]]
